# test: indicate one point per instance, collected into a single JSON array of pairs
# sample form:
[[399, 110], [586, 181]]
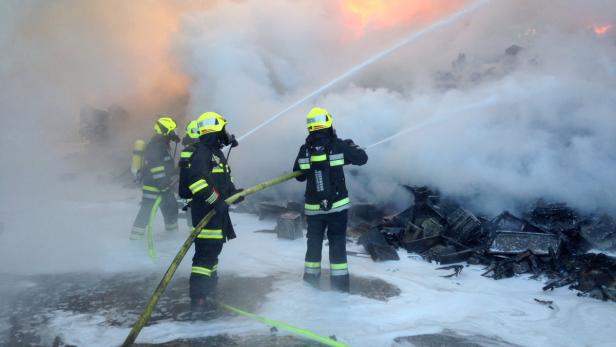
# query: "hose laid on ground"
[[164, 282], [284, 326], [150, 228]]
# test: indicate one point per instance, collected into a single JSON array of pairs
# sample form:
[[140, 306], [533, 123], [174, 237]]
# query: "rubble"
[[273, 209], [289, 226], [549, 241], [515, 242], [376, 245], [96, 125], [599, 232]]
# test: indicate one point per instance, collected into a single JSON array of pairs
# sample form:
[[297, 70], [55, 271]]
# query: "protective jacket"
[[158, 166], [209, 180], [321, 160], [158, 171], [184, 166]]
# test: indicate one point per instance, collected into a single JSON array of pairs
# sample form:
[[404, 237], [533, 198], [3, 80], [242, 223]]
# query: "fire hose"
[[164, 282]]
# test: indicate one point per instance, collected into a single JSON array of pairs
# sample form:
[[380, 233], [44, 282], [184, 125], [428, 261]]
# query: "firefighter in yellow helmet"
[[208, 182], [321, 160], [157, 172], [189, 141]]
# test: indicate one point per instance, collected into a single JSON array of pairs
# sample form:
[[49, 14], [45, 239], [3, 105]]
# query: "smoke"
[[512, 103], [59, 57], [518, 99]]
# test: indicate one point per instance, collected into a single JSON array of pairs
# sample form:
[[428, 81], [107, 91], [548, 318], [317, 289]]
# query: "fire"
[[362, 16], [602, 29]]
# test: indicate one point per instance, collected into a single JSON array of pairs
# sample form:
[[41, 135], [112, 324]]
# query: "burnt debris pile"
[[549, 241]]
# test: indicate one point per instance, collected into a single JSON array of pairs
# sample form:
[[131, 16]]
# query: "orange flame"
[[602, 29], [362, 16]]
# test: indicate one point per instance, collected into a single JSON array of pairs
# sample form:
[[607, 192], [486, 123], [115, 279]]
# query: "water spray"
[[410, 39], [439, 118]]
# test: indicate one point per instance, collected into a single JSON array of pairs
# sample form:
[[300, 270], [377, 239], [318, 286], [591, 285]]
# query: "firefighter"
[[157, 172], [189, 141], [321, 160], [209, 183]]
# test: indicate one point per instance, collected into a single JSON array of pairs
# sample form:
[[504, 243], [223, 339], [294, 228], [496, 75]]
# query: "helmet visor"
[[207, 122], [316, 119]]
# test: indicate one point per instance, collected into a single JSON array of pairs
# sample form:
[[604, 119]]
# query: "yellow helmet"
[[210, 122], [192, 130], [318, 118], [165, 126]]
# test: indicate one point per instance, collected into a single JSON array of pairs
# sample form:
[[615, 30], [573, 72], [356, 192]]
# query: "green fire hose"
[[150, 228], [284, 326], [147, 311]]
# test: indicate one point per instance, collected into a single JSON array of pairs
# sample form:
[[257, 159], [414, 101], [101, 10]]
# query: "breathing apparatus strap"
[[320, 170]]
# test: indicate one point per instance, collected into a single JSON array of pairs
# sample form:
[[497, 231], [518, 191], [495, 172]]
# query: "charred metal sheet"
[[376, 245], [372, 236], [422, 212], [555, 218], [507, 221], [456, 257], [600, 232], [382, 253], [432, 227], [289, 226], [512, 242], [465, 227]]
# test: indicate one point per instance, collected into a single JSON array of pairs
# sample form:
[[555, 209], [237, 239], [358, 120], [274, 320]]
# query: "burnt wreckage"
[[551, 241]]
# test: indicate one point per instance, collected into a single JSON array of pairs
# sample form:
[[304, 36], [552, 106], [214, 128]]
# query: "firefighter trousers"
[[149, 206], [335, 224], [208, 245]]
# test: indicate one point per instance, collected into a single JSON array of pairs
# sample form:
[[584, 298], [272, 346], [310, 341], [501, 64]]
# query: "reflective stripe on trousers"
[[200, 270], [312, 267], [339, 269]]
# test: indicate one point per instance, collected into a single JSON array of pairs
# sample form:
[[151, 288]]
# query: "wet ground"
[[29, 303], [237, 341], [450, 338]]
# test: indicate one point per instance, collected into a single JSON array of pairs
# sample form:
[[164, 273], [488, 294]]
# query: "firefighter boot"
[[312, 279], [340, 283], [205, 307]]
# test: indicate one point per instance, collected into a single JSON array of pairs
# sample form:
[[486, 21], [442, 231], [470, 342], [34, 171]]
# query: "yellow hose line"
[[164, 282]]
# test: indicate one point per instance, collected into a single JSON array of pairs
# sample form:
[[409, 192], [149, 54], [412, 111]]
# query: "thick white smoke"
[[58, 56], [496, 128], [500, 127]]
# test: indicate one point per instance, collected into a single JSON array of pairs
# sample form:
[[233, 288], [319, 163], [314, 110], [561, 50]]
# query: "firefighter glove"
[[241, 198]]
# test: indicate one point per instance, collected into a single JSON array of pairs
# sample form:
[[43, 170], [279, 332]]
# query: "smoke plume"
[[511, 103], [517, 100]]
